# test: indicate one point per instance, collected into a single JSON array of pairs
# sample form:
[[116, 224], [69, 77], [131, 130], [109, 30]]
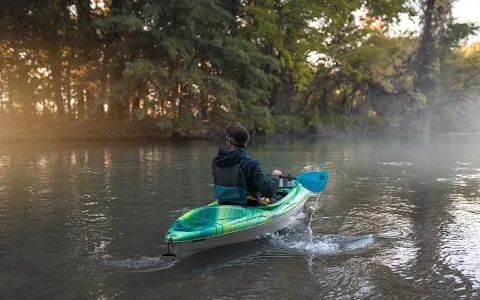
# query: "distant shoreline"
[[57, 130], [124, 131]]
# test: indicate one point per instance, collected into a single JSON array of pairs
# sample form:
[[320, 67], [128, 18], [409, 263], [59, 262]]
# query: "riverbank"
[[73, 130], [119, 130]]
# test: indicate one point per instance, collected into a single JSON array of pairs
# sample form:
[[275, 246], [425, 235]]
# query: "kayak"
[[217, 225]]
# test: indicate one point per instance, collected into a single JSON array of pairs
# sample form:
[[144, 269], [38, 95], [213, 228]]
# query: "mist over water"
[[398, 218]]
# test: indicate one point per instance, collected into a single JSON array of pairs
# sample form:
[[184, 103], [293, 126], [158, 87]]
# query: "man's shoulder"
[[251, 161]]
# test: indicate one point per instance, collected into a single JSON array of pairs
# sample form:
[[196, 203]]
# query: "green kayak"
[[217, 225]]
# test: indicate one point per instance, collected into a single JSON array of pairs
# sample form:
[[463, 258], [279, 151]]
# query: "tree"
[[181, 64]]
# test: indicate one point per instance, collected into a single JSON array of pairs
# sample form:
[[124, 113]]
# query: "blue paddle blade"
[[313, 181]]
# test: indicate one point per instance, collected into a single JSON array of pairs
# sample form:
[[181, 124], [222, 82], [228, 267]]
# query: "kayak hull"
[[187, 248], [216, 225]]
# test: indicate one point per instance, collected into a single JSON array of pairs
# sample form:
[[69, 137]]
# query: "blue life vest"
[[230, 184]]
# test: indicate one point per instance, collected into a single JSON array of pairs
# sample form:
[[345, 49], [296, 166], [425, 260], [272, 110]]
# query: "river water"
[[398, 219]]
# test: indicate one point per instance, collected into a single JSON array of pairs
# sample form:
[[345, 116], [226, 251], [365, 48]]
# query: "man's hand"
[[277, 172]]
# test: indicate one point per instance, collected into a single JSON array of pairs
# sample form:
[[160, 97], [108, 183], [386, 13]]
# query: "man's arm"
[[266, 184]]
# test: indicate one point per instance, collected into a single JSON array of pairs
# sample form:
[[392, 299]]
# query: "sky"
[[467, 10], [463, 11]]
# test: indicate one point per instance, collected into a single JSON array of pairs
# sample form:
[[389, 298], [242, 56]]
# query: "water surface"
[[398, 219]]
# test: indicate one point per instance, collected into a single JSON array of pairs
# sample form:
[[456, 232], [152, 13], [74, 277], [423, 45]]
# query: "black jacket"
[[257, 181]]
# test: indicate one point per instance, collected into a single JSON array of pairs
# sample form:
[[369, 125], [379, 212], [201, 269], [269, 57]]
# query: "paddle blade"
[[313, 181]]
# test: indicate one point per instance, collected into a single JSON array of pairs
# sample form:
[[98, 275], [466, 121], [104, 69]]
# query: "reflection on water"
[[398, 219]]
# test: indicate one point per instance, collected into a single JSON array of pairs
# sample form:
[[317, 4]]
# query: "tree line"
[[273, 65]]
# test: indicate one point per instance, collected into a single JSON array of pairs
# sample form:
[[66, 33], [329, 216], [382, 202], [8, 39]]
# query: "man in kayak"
[[237, 176]]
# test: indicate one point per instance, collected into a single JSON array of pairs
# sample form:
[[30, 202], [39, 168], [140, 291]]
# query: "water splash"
[[308, 236], [331, 244], [301, 239]]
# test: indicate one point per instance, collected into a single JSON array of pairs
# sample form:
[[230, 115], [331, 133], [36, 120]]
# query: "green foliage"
[[274, 66], [282, 124], [289, 124], [332, 121], [337, 123], [419, 98], [266, 126]]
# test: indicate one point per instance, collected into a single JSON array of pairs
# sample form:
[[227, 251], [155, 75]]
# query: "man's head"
[[237, 136]]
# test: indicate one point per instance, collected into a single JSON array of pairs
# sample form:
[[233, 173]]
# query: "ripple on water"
[[144, 263], [90, 217], [459, 247], [395, 163], [179, 212]]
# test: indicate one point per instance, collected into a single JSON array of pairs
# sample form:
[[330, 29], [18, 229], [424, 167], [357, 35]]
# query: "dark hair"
[[238, 135]]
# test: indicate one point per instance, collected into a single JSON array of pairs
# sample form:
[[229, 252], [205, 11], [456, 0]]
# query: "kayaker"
[[237, 176]]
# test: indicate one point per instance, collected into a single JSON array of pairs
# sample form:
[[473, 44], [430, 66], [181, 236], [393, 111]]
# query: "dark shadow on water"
[[200, 260]]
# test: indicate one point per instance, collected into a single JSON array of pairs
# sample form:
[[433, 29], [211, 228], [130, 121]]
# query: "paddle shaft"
[[289, 177]]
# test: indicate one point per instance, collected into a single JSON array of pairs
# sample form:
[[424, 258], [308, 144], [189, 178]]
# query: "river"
[[398, 219]]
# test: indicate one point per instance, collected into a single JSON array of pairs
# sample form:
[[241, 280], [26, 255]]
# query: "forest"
[[185, 68]]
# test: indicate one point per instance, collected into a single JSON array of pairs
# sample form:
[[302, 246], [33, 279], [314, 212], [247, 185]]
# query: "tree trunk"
[[136, 102], [273, 97], [181, 105], [426, 51], [2, 104], [26, 93], [80, 101], [117, 104], [139, 94], [344, 101], [204, 105], [102, 94], [12, 94], [116, 108], [92, 106], [173, 102], [68, 90], [56, 67], [323, 104]]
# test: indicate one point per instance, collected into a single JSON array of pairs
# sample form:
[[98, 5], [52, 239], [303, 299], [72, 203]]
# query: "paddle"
[[313, 181]]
